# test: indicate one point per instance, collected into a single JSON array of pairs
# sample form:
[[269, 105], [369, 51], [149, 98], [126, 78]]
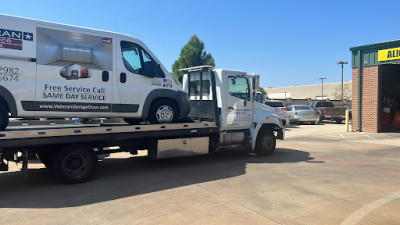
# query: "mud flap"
[[3, 164], [280, 134]]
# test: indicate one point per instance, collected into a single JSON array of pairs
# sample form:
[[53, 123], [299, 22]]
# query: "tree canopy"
[[192, 54]]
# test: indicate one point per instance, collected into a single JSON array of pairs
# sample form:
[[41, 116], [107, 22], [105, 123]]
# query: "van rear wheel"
[[3, 118], [163, 111]]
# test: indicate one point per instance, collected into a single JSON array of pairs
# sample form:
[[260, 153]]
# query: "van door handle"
[[230, 107], [105, 76], [122, 77]]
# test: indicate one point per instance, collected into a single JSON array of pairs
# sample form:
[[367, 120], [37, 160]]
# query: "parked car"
[[280, 109], [302, 113], [328, 111]]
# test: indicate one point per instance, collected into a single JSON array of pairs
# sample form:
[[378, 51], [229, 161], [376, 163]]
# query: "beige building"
[[331, 91]]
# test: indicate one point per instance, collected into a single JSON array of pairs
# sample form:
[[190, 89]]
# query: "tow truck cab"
[[228, 98]]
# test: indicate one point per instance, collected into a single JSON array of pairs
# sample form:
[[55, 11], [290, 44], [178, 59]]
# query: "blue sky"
[[287, 42]]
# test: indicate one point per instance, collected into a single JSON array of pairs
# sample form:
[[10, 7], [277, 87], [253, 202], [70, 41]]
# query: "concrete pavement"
[[318, 175]]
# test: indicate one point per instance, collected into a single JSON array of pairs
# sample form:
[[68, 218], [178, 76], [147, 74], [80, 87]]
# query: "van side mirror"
[[152, 69]]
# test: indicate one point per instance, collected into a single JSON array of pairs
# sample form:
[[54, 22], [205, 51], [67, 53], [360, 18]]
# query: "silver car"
[[302, 113], [279, 108]]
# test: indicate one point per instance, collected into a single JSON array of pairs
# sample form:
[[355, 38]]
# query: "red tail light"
[[283, 109], [325, 110], [295, 113], [315, 113]]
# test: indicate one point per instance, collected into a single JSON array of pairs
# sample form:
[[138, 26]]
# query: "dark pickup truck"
[[327, 111]]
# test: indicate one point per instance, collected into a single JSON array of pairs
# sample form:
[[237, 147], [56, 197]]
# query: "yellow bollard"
[[347, 120]]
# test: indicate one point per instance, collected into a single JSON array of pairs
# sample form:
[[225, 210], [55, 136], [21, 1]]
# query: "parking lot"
[[318, 175]]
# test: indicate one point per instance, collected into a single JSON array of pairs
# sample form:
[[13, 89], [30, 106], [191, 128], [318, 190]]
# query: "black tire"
[[163, 111], [74, 164], [266, 142], [338, 121], [312, 122], [3, 118]]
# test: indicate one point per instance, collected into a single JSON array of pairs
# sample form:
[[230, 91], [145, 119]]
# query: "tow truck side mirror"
[[254, 94]]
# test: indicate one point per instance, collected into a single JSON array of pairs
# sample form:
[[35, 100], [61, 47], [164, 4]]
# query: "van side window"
[[148, 64], [131, 57], [137, 60]]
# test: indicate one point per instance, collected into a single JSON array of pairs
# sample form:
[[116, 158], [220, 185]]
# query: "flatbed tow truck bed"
[[72, 151], [30, 136]]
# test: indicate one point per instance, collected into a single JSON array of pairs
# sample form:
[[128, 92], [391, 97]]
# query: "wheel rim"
[[76, 164], [267, 142], [164, 114]]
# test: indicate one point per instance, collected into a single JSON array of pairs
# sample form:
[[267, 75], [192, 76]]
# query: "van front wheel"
[[3, 118], [163, 111]]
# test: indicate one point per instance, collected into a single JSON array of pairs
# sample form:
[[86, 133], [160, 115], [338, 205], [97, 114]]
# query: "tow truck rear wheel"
[[3, 118], [265, 143], [74, 164]]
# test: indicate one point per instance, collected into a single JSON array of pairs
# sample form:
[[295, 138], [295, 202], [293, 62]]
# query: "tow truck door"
[[237, 104]]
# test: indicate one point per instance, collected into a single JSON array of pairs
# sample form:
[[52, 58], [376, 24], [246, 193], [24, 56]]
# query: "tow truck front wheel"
[[74, 164], [266, 142]]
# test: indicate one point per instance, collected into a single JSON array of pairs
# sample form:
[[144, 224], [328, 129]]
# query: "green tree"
[[262, 90], [192, 54]]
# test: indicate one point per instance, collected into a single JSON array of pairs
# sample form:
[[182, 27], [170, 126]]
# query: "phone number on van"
[[8, 78], [8, 70], [9, 74]]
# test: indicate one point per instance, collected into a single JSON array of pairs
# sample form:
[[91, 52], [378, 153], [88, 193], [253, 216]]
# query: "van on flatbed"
[[50, 70], [224, 115]]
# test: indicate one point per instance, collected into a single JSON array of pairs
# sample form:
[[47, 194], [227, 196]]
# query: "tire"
[[3, 118], [312, 122], [266, 142], [163, 111], [74, 164], [338, 121]]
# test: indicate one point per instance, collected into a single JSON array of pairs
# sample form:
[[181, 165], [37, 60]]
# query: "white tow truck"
[[224, 115]]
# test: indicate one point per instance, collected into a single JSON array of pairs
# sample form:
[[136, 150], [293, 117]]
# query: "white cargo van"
[[54, 70]]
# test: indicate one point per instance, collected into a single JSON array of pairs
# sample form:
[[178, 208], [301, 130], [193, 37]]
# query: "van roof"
[[61, 25]]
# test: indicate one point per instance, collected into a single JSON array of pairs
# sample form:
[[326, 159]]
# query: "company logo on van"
[[12, 39]]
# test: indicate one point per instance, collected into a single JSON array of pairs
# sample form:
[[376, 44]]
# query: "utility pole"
[[341, 62], [322, 80]]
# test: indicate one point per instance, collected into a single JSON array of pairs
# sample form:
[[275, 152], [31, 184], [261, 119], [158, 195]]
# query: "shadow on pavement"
[[120, 178]]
